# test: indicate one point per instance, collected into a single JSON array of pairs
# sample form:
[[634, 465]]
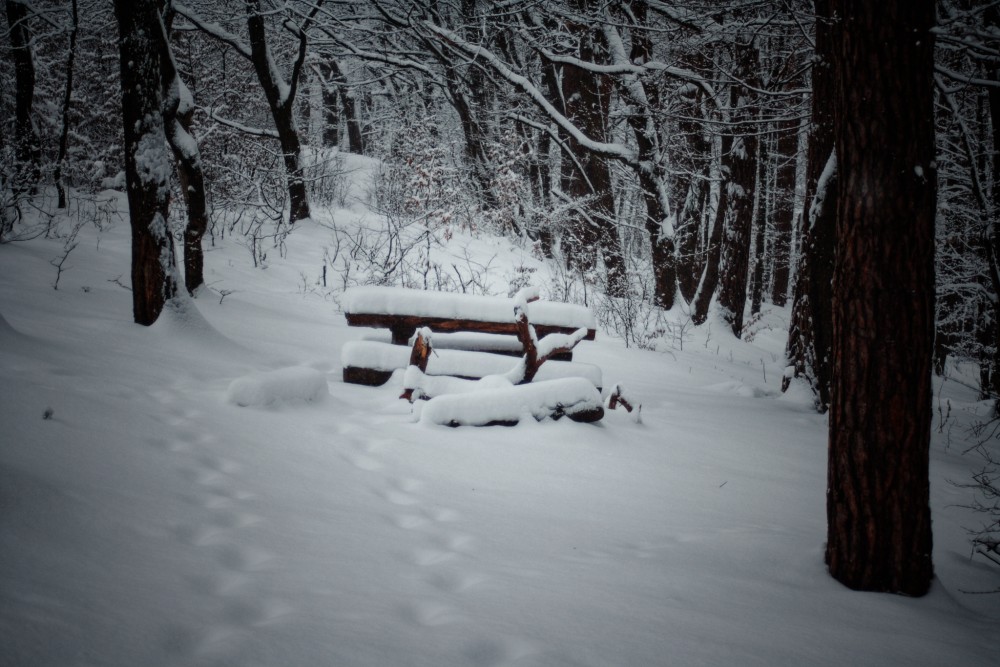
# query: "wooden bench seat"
[[402, 311], [372, 363]]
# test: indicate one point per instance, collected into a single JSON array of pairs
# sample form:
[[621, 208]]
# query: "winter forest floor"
[[146, 520]]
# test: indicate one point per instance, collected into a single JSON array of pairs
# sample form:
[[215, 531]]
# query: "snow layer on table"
[[402, 301], [474, 341], [388, 357], [285, 385], [511, 404]]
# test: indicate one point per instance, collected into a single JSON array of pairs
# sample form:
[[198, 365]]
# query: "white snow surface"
[[146, 520], [401, 301]]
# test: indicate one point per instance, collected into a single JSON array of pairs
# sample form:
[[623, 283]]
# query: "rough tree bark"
[[692, 161], [147, 165], [57, 176], [26, 147], [741, 167], [281, 100], [642, 100], [809, 332], [586, 100], [879, 522], [178, 111]]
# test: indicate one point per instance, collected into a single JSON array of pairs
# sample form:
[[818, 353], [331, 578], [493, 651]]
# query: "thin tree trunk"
[[761, 210], [692, 160], [154, 273], [586, 175], [809, 333], [992, 19], [282, 106], [67, 99], [784, 209], [878, 508], [26, 147], [710, 274], [651, 174], [178, 112], [741, 185]]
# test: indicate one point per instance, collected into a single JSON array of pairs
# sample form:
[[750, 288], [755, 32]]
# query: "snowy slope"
[[152, 520]]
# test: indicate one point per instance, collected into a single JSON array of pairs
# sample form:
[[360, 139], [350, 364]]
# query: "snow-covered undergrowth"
[[146, 518]]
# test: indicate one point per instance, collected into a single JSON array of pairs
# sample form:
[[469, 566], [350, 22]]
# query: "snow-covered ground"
[[207, 491]]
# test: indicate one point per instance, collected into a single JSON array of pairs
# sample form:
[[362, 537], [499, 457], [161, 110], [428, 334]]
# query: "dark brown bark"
[[879, 522], [419, 356], [404, 326], [282, 108], [27, 150], [154, 276], [741, 168]]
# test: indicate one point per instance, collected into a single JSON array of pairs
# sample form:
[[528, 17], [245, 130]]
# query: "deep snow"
[[151, 520]]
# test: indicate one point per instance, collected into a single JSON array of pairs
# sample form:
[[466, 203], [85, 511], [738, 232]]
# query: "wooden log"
[[370, 377], [418, 357], [404, 326]]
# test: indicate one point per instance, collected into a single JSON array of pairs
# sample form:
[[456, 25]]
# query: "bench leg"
[[401, 333]]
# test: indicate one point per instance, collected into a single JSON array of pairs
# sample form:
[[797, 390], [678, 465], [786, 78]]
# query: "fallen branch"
[[618, 397]]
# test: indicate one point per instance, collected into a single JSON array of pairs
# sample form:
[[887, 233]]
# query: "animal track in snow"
[[242, 558], [429, 613]]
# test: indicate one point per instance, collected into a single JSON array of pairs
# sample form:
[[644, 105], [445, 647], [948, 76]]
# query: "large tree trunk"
[[26, 146], [878, 511], [154, 273], [281, 100]]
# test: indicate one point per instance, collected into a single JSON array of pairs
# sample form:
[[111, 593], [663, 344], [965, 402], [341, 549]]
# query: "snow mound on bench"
[[296, 384], [461, 363], [508, 405]]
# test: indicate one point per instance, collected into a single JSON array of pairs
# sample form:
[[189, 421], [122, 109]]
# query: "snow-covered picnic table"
[[479, 334]]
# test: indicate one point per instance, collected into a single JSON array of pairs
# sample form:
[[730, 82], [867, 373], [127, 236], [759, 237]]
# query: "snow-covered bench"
[[478, 332]]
